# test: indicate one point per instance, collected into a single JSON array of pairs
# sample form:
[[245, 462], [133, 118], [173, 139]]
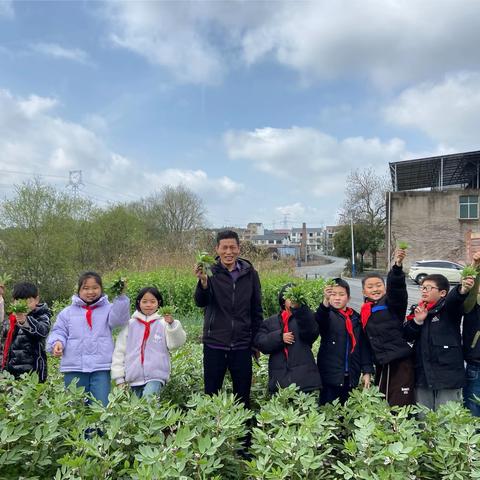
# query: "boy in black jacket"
[[382, 317], [344, 352], [288, 337], [24, 335], [434, 326], [233, 314], [471, 344]]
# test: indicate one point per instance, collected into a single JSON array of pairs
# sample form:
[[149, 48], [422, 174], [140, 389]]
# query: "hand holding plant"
[[469, 271], [167, 313], [205, 263], [117, 287], [19, 306]]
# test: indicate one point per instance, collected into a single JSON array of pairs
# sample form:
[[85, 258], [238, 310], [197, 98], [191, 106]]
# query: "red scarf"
[[349, 326], [429, 306], [146, 334], [89, 310], [365, 313], [12, 321], [285, 317]]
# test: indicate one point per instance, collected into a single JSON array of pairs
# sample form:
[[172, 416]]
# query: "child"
[[141, 356], [434, 325], [382, 317], [288, 337], [471, 344], [343, 352], [82, 336], [25, 333]]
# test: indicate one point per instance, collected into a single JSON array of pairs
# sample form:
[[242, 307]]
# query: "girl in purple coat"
[[141, 357], [82, 336]]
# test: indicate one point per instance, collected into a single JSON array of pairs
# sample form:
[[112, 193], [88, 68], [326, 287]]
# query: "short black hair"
[[440, 281], [224, 234], [85, 276], [340, 282], [24, 290], [154, 291], [372, 275]]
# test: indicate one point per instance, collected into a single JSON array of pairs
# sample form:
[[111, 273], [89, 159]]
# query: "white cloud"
[[6, 9], [449, 111], [308, 159], [57, 51], [34, 140], [389, 42]]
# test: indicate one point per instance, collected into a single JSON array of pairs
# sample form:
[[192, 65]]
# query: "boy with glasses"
[[434, 326]]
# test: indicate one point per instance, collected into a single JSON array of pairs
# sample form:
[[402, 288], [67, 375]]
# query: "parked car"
[[419, 270]]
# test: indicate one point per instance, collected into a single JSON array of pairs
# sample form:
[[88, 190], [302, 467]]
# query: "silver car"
[[419, 270]]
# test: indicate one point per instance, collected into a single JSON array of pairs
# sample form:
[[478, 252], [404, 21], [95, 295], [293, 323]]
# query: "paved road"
[[335, 269]]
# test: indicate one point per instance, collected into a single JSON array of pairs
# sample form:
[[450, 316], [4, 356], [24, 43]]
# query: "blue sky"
[[261, 108]]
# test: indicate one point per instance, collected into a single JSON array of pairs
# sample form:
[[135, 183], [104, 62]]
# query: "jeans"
[[150, 388], [96, 383], [434, 398], [472, 388], [238, 362]]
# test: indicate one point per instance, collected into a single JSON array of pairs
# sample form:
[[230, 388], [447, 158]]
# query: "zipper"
[[233, 305]]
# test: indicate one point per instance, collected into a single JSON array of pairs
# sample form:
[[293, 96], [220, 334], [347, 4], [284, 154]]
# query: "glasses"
[[427, 288]]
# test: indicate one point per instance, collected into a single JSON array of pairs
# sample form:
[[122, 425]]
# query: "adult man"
[[233, 314]]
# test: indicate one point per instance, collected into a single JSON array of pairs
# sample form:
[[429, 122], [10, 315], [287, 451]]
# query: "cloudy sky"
[[261, 108]]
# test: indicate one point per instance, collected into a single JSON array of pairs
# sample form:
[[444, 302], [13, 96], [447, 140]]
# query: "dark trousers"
[[239, 364], [331, 392], [396, 380]]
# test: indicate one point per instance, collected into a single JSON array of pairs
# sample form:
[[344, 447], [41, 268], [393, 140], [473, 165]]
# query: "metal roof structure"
[[458, 169]]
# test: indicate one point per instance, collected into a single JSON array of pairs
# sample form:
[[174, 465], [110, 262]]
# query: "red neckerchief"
[[347, 313], [146, 334], [12, 321], [365, 313], [285, 317], [429, 306], [89, 309]]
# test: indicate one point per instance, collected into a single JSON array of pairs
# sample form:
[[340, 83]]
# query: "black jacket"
[[299, 368], [332, 354], [471, 325], [233, 310], [438, 344], [27, 350], [385, 327]]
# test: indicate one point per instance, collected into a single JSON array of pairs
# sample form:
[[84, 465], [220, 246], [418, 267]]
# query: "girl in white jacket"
[[141, 357]]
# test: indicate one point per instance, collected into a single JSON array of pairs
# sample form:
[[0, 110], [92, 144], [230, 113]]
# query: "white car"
[[419, 270]]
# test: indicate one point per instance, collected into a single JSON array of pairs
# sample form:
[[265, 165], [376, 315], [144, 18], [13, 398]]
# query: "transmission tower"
[[75, 182]]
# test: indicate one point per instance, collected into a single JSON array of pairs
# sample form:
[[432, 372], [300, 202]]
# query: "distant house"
[[252, 230], [434, 206], [271, 238], [315, 237]]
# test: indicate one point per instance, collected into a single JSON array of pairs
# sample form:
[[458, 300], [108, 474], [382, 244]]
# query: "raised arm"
[[397, 295], [119, 314]]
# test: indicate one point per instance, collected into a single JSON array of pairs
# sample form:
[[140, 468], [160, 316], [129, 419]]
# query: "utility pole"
[[75, 182], [303, 243]]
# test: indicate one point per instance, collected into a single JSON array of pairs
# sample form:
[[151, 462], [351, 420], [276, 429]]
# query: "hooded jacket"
[[88, 349], [126, 362], [27, 350], [438, 344], [233, 310], [298, 367]]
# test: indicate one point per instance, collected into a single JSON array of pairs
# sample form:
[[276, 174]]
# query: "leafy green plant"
[[402, 245], [168, 310], [117, 287], [19, 306], [206, 262], [5, 278], [469, 271]]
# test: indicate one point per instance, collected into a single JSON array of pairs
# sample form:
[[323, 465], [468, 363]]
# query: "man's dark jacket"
[[233, 310]]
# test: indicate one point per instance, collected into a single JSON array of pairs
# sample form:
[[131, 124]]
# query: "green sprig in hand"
[[117, 287], [402, 245], [167, 310], [205, 261], [469, 271], [19, 306]]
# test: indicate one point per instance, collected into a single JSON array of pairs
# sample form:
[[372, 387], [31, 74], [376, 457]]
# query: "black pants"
[[331, 392], [239, 364], [396, 380]]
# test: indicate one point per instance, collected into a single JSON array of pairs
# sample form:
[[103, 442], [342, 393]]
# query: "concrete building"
[[434, 206], [315, 237]]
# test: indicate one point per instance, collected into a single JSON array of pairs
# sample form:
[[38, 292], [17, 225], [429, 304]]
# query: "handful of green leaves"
[[167, 310], [19, 306], [296, 294], [308, 292], [205, 261], [117, 286], [402, 245], [5, 278], [469, 271]]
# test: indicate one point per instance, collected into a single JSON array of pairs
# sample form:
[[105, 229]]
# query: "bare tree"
[[365, 203]]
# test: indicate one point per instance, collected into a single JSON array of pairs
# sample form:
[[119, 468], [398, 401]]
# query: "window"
[[468, 207]]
